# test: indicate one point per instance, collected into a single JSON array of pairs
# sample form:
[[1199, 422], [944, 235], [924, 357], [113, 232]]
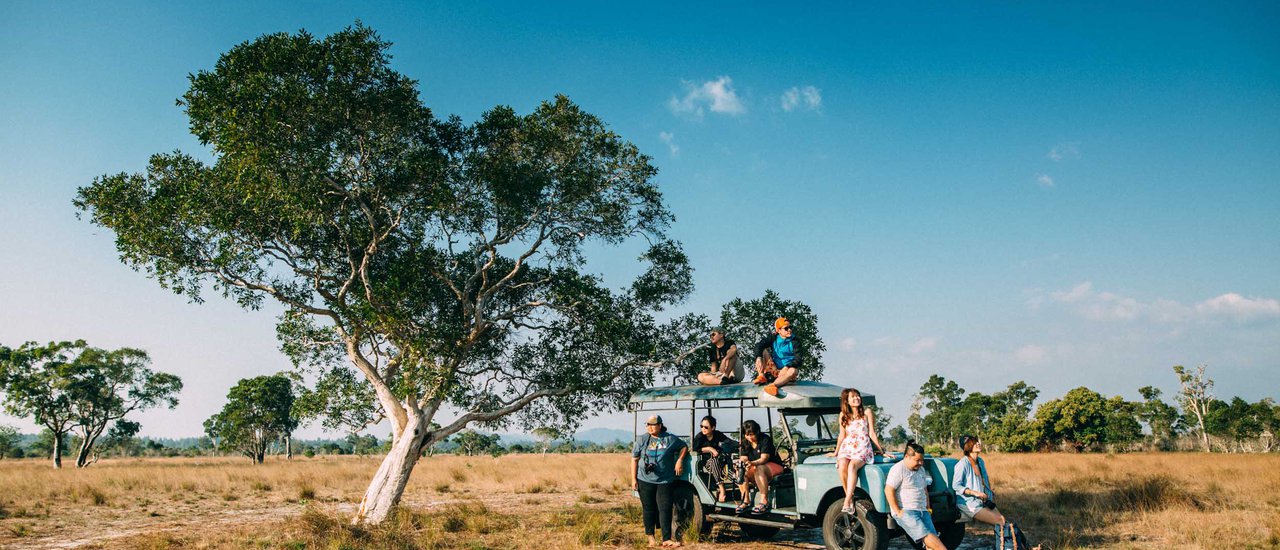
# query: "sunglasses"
[[788, 327], [706, 427]]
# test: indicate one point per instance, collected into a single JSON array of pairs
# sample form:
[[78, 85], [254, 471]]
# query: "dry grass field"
[[568, 501]]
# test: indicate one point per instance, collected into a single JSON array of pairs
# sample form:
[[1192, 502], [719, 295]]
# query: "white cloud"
[[924, 345], [1238, 308], [1063, 151], [1108, 306], [1043, 180], [809, 98], [670, 139], [1030, 354], [717, 95]]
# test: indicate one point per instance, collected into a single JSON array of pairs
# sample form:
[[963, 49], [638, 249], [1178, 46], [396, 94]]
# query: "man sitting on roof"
[[726, 367], [777, 357]]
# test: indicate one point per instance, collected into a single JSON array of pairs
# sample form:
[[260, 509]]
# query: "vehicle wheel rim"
[[849, 532]]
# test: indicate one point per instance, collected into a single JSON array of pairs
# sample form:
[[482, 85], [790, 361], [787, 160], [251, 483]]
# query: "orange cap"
[[781, 322]]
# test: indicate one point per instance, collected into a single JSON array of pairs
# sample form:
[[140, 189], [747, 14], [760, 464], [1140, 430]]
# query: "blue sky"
[[1067, 194]]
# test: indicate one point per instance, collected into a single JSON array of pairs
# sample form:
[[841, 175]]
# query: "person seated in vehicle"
[[726, 365], [857, 444], [777, 357], [907, 490], [710, 445], [760, 458], [974, 496]]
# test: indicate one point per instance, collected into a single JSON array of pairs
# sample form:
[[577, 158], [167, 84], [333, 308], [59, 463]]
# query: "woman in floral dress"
[[853, 448]]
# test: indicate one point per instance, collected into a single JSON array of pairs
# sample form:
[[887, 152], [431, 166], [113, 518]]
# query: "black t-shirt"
[[764, 445], [716, 440], [716, 355]]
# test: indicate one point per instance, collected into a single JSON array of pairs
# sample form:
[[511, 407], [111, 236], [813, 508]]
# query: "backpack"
[[1010, 537]]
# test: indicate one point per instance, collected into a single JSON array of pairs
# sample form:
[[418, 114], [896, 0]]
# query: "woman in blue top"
[[974, 496], [662, 455]]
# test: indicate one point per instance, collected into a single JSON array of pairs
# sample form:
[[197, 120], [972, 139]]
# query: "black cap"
[[965, 439]]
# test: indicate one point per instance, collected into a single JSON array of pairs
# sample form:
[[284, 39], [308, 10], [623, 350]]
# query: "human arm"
[[684, 453], [871, 431], [635, 479], [891, 495]]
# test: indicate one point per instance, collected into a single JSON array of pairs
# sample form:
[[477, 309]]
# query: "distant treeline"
[[468, 442], [1085, 420]]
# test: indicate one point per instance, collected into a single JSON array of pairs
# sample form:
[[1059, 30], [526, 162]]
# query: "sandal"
[[760, 509], [742, 508]]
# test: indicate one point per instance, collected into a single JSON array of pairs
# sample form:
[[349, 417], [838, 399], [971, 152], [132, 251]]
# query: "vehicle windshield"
[[813, 427]]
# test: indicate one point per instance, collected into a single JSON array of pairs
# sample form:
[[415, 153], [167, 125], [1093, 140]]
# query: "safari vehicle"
[[803, 420]]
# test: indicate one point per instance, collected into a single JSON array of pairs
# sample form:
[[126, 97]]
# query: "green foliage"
[[942, 398], [1162, 420], [258, 412], [340, 399], [9, 441], [66, 385], [471, 443], [749, 321], [37, 385], [1239, 422], [1078, 419], [446, 262]]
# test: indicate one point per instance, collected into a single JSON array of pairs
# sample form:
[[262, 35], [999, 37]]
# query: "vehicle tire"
[[757, 531], [687, 513], [862, 530], [952, 535]]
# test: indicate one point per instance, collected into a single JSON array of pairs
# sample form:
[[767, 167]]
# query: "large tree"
[[447, 262], [259, 411]]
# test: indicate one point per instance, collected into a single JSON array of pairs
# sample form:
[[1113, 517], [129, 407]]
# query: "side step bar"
[[751, 520]]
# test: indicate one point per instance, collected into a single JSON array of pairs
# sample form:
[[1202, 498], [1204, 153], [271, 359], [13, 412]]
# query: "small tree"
[[9, 438], [545, 437], [471, 442], [36, 384], [1194, 397], [1160, 417], [257, 413], [107, 385], [1078, 419], [942, 398]]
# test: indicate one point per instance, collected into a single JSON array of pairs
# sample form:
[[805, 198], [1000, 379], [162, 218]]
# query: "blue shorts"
[[917, 524]]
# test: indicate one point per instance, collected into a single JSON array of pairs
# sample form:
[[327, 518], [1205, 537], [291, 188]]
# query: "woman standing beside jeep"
[[656, 461]]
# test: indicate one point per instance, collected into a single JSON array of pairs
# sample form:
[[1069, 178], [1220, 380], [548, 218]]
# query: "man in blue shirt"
[[777, 357]]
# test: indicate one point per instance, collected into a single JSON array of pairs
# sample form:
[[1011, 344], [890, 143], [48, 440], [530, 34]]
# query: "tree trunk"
[[1204, 436], [288, 446], [388, 484], [57, 451]]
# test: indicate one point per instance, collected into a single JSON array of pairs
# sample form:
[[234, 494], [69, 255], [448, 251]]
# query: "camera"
[[650, 467]]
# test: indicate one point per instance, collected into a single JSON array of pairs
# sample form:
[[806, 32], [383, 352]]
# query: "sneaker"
[[760, 380], [771, 390]]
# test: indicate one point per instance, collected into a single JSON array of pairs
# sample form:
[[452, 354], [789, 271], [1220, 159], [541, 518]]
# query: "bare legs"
[[786, 375], [710, 379], [849, 477], [761, 477]]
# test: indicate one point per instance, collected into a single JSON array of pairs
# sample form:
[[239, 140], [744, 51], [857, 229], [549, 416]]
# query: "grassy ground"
[[1179, 500]]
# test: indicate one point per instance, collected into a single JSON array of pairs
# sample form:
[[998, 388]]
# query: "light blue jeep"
[[803, 420]]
